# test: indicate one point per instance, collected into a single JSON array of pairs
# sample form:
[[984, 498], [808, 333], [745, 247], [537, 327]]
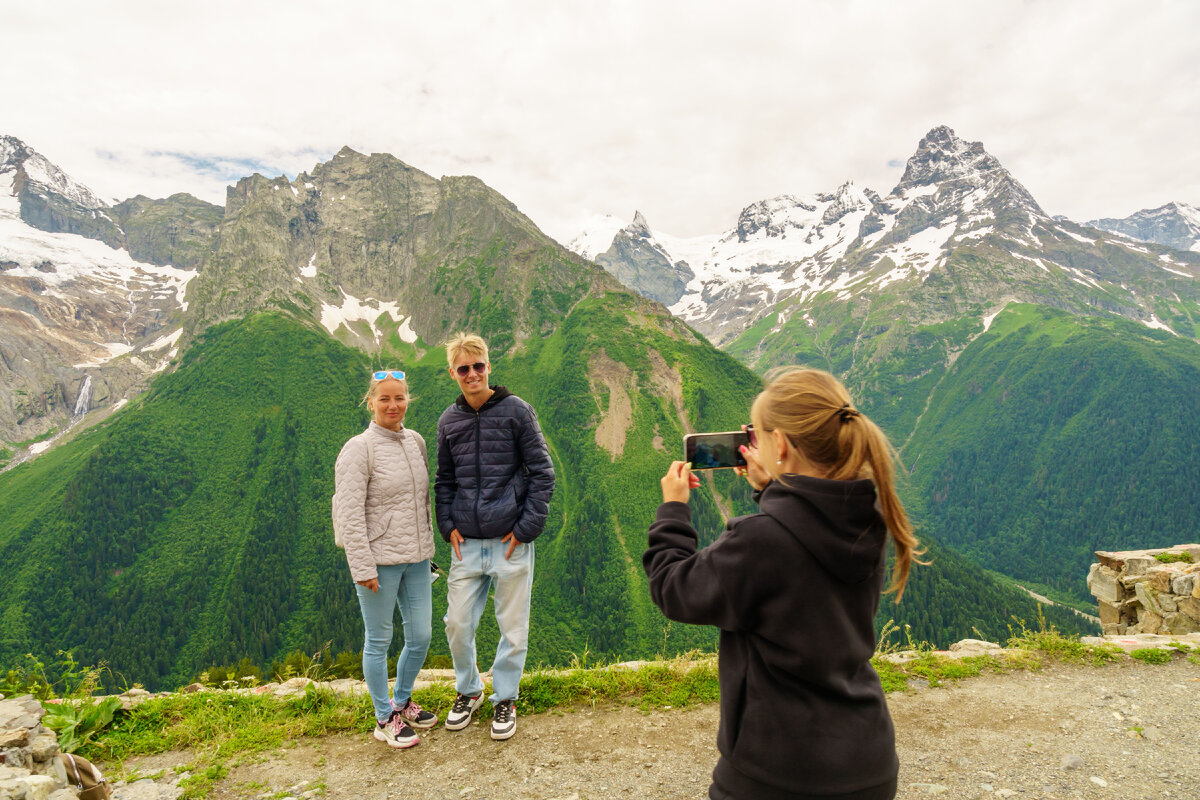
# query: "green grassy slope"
[[1052, 436]]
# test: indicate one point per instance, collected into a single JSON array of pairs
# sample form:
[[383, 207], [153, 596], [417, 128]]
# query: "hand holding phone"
[[715, 450]]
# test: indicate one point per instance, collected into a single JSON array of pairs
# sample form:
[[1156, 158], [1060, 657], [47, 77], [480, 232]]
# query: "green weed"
[[1151, 655]]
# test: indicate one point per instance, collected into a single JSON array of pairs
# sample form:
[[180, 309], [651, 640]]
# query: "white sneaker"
[[504, 722], [460, 713], [395, 733]]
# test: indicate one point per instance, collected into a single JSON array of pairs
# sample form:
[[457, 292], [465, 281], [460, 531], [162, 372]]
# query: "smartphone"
[[715, 450]]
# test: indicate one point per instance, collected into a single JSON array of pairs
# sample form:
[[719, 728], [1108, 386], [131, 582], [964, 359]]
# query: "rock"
[[39, 787], [1178, 623], [1139, 565], [45, 746], [929, 788], [1149, 601], [1102, 582], [1184, 584], [192, 688], [1167, 603], [974, 646], [1161, 577], [1191, 607], [296, 683], [1099, 781], [1071, 761], [14, 737], [1110, 613]]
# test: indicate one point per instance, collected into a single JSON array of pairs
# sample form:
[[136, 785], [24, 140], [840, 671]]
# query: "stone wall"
[[1148, 591], [29, 767]]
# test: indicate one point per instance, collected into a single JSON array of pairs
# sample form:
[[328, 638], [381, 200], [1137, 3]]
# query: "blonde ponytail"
[[813, 409]]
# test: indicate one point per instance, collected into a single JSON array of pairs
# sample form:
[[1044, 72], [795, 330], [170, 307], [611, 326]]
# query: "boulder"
[[1103, 584], [1149, 600]]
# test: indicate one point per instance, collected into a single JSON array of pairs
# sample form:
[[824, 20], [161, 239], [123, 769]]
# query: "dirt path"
[[1122, 731]]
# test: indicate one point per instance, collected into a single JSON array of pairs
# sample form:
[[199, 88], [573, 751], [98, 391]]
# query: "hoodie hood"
[[498, 394], [850, 544]]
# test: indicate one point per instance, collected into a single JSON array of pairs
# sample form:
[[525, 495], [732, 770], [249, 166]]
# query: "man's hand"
[[372, 584], [678, 482], [511, 538], [455, 539]]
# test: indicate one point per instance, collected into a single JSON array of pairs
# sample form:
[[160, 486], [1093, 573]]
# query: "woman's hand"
[[456, 539], [756, 476], [678, 482], [372, 584]]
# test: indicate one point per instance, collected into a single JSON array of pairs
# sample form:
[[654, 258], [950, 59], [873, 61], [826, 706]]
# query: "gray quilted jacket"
[[384, 516]]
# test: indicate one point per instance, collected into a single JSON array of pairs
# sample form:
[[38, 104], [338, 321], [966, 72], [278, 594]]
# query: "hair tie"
[[847, 413]]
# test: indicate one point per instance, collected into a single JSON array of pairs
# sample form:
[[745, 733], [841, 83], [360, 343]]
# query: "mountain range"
[[191, 527], [959, 265]]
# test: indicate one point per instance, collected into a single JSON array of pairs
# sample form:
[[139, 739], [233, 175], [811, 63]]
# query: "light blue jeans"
[[406, 586], [483, 566]]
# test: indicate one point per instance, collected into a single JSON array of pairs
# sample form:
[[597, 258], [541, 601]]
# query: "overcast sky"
[[687, 111]]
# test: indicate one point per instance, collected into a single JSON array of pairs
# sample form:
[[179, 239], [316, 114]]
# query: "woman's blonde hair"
[[373, 387], [813, 409], [469, 343]]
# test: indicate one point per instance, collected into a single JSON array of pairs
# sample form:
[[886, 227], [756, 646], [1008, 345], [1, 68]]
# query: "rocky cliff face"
[[178, 231], [638, 261], [376, 249]]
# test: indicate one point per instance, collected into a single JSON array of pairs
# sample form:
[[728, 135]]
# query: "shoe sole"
[[500, 737], [396, 743], [423, 726]]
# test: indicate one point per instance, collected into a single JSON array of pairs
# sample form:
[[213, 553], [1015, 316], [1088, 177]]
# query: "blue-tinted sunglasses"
[[388, 373]]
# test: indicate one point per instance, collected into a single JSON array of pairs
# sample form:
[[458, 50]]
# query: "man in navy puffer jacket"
[[493, 487]]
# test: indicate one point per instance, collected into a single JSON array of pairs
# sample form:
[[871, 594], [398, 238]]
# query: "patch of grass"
[[197, 785], [1172, 558], [1151, 655]]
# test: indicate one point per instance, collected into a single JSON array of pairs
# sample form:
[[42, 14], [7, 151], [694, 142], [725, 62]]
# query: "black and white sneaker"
[[395, 733], [504, 722], [460, 713]]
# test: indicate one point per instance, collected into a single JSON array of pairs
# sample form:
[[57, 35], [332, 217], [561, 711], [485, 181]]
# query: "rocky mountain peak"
[[35, 173], [943, 156], [639, 227]]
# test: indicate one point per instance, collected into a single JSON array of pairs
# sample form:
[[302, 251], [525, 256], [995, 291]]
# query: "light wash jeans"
[[406, 586], [482, 566]]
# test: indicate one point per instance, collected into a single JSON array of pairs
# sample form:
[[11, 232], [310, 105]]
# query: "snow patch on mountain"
[[367, 310]]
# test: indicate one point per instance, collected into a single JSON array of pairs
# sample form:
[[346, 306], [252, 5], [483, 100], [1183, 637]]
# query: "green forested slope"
[[1053, 436], [192, 528]]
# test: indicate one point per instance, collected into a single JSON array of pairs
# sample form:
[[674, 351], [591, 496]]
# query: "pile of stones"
[[1148, 591], [29, 765]]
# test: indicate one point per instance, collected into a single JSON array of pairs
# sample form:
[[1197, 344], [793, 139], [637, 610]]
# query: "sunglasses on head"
[[388, 373], [465, 369]]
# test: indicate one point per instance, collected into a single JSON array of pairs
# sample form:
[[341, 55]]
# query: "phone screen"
[[715, 450]]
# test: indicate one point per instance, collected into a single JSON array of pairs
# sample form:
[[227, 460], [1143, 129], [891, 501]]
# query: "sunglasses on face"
[[388, 373], [465, 370]]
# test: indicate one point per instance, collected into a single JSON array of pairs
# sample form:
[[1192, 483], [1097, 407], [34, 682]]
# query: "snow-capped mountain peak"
[[1175, 225], [35, 168]]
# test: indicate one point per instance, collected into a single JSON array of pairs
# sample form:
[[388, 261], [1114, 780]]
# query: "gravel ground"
[[1129, 730]]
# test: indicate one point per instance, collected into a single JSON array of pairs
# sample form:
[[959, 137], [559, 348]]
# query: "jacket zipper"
[[478, 474], [416, 497]]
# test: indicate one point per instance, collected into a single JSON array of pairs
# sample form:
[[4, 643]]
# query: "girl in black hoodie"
[[794, 590]]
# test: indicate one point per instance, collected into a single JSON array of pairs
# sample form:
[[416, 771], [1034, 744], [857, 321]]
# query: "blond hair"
[[813, 409], [373, 387], [469, 343]]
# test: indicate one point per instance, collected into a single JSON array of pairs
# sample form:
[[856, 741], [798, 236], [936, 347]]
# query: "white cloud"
[[685, 110]]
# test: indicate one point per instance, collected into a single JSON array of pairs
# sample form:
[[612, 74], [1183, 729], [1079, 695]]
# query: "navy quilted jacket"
[[494, 474]]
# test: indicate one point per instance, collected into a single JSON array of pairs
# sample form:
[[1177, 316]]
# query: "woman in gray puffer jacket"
[[381, 517]]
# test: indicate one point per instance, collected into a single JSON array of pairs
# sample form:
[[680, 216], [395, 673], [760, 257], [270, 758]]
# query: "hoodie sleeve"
[[350, 489], [536, 458], [689, 585]]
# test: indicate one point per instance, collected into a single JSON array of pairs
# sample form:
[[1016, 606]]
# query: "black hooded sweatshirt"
[[794, 590]]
